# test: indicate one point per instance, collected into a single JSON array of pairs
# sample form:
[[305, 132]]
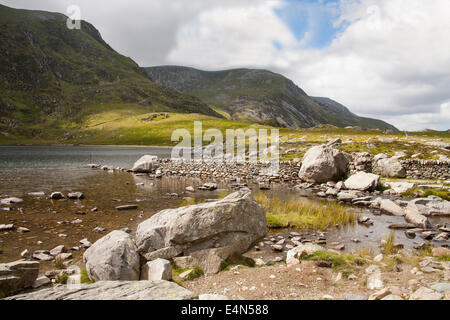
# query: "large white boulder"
[[322, 164], [235, 222], [145, 164], [390, 167], [294, 255], [113, 257], [362, 181]]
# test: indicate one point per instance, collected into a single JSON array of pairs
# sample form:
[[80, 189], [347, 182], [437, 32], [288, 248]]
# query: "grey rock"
[[390, 207], [11, 200], [57, 196], [58, 250], [426, 294], [441, 287], [362, 181], [76, 195], [113, 257], [113, 290], [391, 168], [41, 281], [127, 207], [237, 221], [145, 164], [159, 269], [18, 275], [322, 164]]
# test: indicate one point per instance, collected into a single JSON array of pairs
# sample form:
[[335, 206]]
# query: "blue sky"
[[313, 17]]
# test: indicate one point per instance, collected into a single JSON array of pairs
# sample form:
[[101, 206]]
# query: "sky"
[[387, 59]]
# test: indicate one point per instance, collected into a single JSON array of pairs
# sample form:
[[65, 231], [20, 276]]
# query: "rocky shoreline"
[[207, 237]]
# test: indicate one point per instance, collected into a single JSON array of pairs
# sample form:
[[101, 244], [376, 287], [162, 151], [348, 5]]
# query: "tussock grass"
[[300, 214], [389, 245]]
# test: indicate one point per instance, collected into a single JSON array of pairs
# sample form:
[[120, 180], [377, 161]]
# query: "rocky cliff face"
[[259, 95], [48, 71]]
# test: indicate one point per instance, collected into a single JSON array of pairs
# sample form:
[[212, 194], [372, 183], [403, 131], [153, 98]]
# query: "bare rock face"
[[390, 167], [113, 290], [362, 181], [113, 257], [322, 164], [18, 275], [235, 222], [145, 164]]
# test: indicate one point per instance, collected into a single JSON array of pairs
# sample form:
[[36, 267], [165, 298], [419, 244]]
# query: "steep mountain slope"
[[261, 96], [51, 75]]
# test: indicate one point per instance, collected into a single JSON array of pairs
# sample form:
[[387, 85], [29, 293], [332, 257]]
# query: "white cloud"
[[392, 60]]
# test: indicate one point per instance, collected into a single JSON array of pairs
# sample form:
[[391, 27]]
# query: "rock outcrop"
[[235, 223], [322, 164], [113, 290], [113, 257], [16, 276]]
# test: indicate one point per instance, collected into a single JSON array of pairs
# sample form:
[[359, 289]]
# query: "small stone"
[[76, 195], [327, 297], [57, 196], [186, 274], [58, 250], [426, 294], [41, 281], [378, 258], [25, 254], [85, 243], [23, 230], [42, 255], [127, 207], [380, 294]]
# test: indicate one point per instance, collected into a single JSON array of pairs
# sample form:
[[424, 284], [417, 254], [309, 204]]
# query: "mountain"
[[51, 75], [260, 96]]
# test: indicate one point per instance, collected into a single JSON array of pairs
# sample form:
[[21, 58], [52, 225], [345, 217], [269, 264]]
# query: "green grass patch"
[[197, 272], [345, 263], [389, 244], [85, 277], [301, 214], [417, 192]]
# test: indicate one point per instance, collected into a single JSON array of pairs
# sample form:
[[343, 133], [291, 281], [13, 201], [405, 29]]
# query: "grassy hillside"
[[261, 96], [52, 78]]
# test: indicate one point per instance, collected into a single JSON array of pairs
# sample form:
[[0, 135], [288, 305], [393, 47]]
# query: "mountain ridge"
[[260, 95], [51, 75]]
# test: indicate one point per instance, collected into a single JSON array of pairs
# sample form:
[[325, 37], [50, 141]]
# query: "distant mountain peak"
[[261, 96]]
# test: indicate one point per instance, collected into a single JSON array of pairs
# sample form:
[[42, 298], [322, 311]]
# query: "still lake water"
[[26, 169]]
